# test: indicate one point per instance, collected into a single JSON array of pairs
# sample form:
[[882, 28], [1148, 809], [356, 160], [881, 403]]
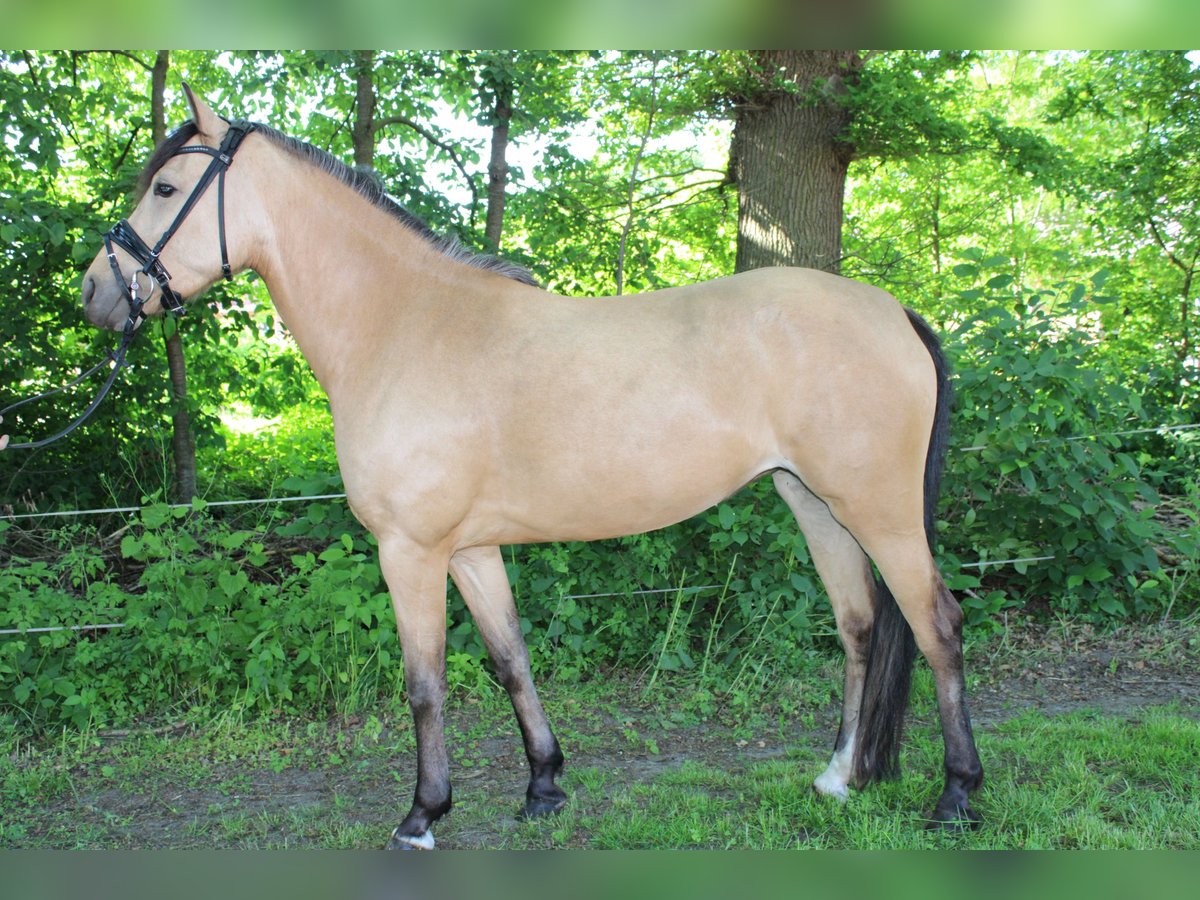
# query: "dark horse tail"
[[892, 648]]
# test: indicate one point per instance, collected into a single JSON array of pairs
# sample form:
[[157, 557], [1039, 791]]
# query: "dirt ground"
[[1053, 669]]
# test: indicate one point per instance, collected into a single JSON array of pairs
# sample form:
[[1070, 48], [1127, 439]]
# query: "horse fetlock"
[[835, 780], [428, 808], [971, 777]]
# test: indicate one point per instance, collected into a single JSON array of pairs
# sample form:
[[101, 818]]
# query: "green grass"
[[1076, 781], [640, 775]]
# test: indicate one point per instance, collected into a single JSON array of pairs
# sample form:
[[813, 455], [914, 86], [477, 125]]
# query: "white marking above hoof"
[[831, 784], [421, 842]]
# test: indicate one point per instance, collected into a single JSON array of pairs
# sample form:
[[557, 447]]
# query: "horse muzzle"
[[103, 304]]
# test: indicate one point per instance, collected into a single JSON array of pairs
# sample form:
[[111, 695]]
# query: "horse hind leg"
[[480, 577], [935, 618], [850, 584]]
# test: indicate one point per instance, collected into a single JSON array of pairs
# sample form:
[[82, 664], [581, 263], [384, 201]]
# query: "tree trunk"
[[1184, 351], [498, 164], [790, 160], [1185, 330], [498, 169], [937, 223], [183, 442], [362, 133]]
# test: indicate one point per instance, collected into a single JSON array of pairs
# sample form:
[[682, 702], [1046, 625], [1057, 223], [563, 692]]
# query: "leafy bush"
[[216, 615], [1036, 468], [212, 617]]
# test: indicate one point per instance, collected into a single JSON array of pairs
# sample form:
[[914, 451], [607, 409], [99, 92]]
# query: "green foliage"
[[215, 614], [204, 621], [1037, 467]]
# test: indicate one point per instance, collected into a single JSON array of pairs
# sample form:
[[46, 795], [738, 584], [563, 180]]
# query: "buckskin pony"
[[473, 409]]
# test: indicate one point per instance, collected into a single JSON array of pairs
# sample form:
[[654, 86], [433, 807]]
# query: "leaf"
[[1112, 605], [156, 515], [332, 553], [1028, 479], [231, 583], [726, 516], [131, 547]]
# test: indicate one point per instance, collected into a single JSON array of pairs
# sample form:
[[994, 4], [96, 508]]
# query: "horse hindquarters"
[[882, 496]]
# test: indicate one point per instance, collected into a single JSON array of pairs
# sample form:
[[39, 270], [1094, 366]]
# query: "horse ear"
[[207, 122]]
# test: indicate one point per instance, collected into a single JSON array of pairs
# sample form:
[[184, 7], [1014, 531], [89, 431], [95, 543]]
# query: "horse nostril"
[[89, 290]]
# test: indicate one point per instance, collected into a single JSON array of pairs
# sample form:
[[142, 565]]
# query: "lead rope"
[[114, 358]]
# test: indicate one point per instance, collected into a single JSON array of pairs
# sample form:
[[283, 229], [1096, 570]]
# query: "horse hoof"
[[540, 807], [957, 818], [833, 787], [400, 841]]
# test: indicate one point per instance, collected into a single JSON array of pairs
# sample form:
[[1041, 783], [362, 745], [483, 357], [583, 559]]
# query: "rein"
[[124, 236], [115, 358]]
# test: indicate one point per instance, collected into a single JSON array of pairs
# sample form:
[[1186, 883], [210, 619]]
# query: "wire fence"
[[204, 504], [1161, 429], [123, 510]]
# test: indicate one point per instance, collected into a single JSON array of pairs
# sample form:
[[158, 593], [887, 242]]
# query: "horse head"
[[130, 279]]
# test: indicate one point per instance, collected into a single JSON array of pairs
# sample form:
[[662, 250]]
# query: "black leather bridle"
[[124, 236]]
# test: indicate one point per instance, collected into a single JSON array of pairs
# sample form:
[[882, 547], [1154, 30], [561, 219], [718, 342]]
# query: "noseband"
[[124, 236]]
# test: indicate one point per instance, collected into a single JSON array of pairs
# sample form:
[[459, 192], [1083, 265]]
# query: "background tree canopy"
[[1039, 208]]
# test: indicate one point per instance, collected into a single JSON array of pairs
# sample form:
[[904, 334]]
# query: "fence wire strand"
[[120, 510]]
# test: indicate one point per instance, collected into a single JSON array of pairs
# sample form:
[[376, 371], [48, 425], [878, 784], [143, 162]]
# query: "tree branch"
[[1175, 260], [633, 173], [437, 142], [145, 65]]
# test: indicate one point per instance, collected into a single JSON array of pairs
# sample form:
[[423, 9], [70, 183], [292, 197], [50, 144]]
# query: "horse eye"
[[163, 190]]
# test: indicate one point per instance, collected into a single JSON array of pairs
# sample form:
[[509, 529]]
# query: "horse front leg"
[[417, 581], [479, 574]]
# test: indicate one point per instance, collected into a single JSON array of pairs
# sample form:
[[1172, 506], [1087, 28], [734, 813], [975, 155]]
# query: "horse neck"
[[334, 264]]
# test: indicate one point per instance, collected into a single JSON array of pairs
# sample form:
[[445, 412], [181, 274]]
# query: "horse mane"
[[366, 184]]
